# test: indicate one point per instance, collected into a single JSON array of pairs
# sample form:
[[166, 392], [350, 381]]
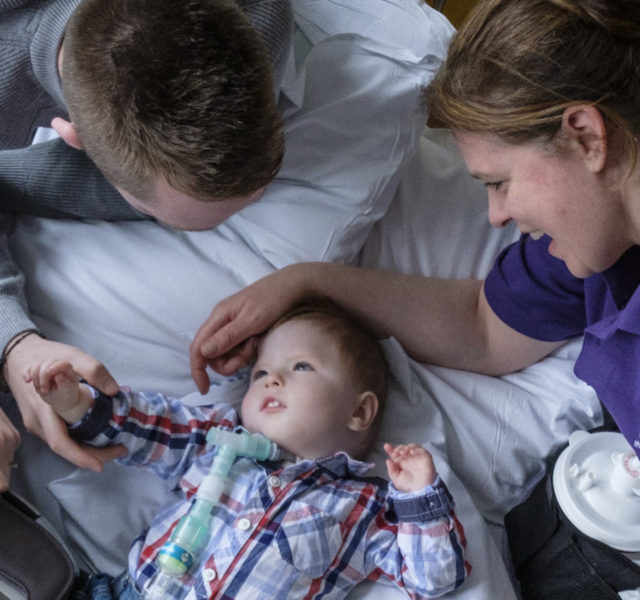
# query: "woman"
[[543, 99]]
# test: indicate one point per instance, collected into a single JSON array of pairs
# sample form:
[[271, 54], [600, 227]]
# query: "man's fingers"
[[53, 431], [78, 455], [97, 375], [5, 477], [9, 442]]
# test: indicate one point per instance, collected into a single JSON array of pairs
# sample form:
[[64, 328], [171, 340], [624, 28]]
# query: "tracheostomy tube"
[[190, 535]]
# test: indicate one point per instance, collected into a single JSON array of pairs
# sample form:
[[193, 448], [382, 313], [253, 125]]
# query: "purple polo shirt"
[[535, 293]]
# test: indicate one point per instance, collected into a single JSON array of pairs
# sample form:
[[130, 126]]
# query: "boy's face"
[[301, 394]]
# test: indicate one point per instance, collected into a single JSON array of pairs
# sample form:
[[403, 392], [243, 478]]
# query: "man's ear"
[[364, 413], [584, 124], [67, 131]]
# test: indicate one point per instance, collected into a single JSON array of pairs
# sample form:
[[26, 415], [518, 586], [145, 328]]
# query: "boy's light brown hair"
[[177, 90]]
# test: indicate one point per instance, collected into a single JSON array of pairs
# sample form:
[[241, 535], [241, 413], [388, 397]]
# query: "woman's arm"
[[442, 321]]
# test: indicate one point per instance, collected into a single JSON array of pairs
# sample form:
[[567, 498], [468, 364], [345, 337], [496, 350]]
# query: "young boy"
[[308, 527]]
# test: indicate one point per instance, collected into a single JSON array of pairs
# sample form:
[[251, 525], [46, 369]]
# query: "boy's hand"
[[39, 418], [57, 384], [410, 467]]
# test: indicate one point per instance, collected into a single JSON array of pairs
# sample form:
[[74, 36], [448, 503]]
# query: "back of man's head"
[[182, 91]]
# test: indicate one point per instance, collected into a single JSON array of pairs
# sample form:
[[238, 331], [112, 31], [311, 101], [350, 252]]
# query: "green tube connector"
[[187, 540], [191, 534]]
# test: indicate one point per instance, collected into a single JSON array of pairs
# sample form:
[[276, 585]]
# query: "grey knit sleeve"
[[13, 311], [54, 180]]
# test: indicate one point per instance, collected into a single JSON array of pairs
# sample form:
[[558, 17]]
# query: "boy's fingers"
[[392, 468]]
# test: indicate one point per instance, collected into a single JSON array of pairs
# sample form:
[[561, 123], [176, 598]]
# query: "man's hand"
[[39, 418], [9, 442], [410, 467]]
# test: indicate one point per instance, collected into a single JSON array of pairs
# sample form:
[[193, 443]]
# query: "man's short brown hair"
[[177, 90]]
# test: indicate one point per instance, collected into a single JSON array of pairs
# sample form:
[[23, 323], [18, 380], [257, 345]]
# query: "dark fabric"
[[95, 421], [95, 587], [30, 557], [555, 561], [104, 587]]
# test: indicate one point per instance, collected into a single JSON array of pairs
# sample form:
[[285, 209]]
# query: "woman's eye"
[[302, 366], [493, 185], [258, 374]]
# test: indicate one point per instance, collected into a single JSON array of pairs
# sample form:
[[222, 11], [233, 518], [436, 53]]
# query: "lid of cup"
[[596, 480]]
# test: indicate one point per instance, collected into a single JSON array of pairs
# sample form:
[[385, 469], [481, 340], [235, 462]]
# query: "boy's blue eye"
[[302, 366], [258, 374]]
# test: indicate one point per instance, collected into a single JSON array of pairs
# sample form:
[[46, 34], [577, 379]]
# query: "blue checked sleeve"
[[419, 544], [160, 433]]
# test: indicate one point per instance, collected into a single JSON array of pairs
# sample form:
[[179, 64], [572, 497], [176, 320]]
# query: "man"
[[165, 110]]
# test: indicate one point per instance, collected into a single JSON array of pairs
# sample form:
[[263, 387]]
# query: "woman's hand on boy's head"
[[226, 341], [410, 467]]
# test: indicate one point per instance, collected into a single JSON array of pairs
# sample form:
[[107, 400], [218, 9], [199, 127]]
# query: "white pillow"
[[353, 118]]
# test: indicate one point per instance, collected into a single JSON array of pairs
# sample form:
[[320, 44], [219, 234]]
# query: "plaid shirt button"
[[274, 481], [243, 524]]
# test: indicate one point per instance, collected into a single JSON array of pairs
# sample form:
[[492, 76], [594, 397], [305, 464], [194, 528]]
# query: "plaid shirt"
[[310, 529]]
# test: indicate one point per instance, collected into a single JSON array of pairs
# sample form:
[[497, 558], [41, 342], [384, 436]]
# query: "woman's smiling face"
[[550, 192]]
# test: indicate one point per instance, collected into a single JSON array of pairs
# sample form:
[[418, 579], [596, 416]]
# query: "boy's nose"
[[274, 379]]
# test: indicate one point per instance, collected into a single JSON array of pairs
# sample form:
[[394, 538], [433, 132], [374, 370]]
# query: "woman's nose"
[[498, 215]]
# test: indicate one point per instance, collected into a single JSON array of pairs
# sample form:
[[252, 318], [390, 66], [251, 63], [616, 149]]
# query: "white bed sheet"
[[133, 294]]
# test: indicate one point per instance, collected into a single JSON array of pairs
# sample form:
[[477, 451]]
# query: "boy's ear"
[[584, 124], [67, 131], [364, 413]]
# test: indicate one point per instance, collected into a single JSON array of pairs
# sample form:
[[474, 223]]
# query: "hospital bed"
[[364, 182]]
